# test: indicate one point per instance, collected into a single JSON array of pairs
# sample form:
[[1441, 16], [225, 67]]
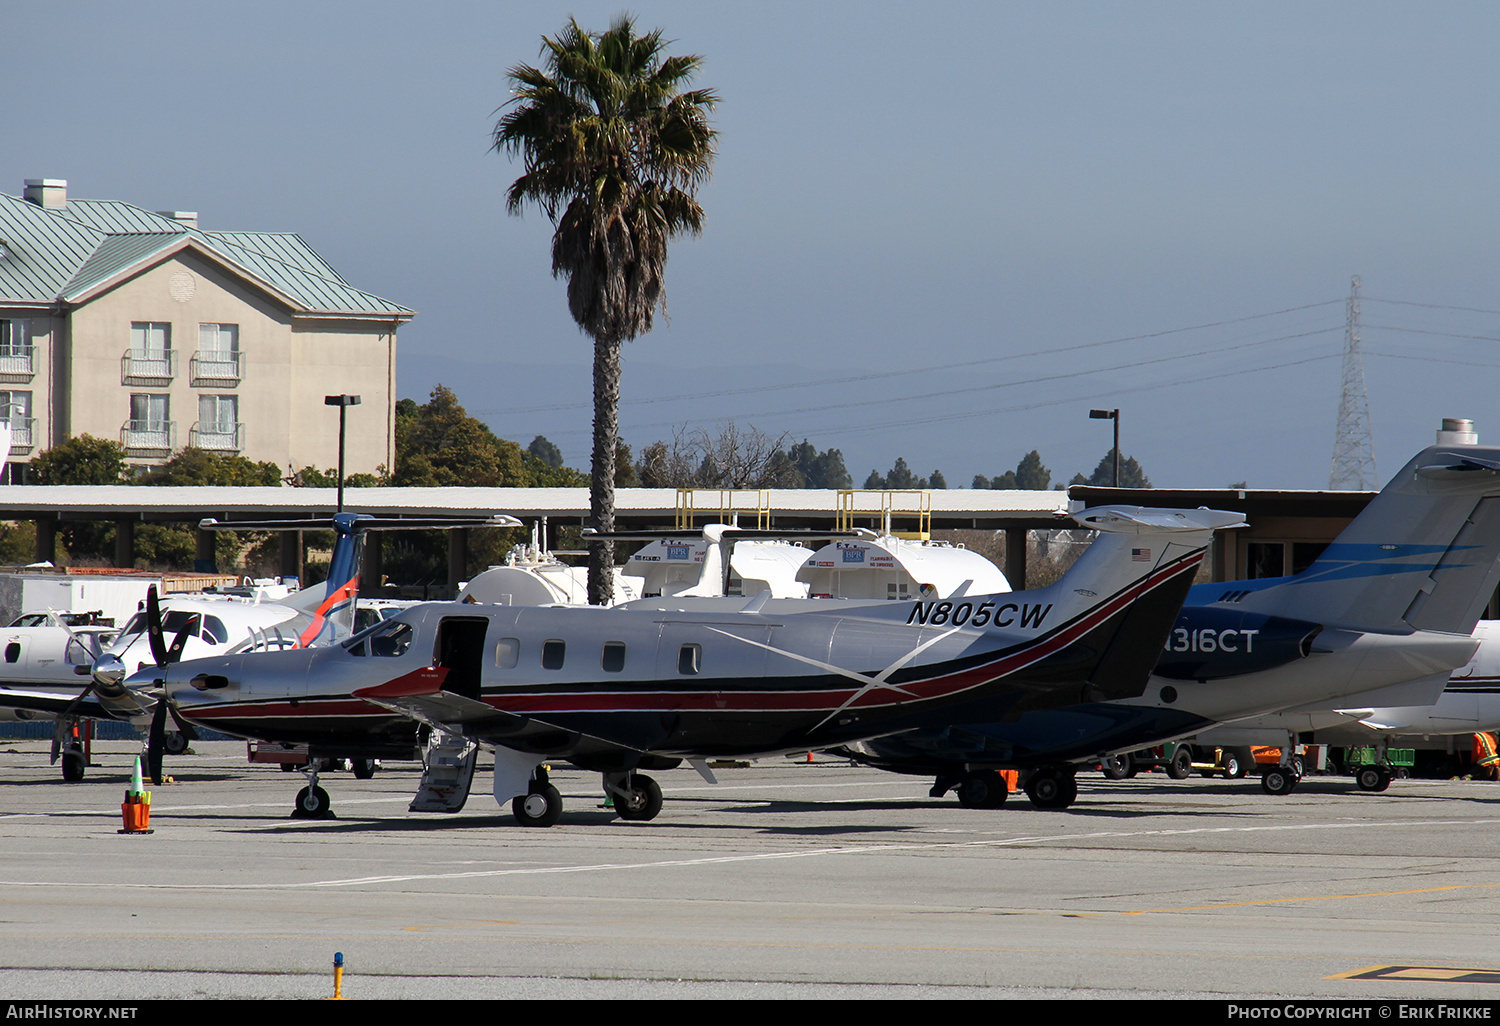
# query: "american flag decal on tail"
[[1140, 555]]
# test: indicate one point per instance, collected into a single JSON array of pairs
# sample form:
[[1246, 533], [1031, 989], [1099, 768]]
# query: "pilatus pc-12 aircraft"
[[1380, 619], [623, 690]]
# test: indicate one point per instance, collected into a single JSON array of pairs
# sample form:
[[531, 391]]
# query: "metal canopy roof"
[[1253, 502], [643, 507]]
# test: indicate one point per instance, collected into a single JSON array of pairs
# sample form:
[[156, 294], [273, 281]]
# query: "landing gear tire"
[[312, 803], [174, 742], [542, 807], [982, 789], [1052, 789], [1181, 766], [72, 767], [364, 769], [640, 798], [1118, 767], [1279, 780], [1373, 778]]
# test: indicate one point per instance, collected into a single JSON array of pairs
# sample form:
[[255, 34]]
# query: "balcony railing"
[[21, 434], [149, 438], [211, 368], [148, 366], [218, 438], [16, 363]]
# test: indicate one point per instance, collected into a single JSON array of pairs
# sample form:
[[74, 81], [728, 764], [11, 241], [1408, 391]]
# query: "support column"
[[205, 559], [46, 540], [291, 555], [1015, 557], [458, 558], [373, 564], [125, 543]]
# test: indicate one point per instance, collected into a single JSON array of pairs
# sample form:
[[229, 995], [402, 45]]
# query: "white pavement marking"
[[877, 849]]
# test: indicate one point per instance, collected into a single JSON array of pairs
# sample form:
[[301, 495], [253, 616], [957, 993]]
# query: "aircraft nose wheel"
[[638, 797], [312, 803], [542, 807]]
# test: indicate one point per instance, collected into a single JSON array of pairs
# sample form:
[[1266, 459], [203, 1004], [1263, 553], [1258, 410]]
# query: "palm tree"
[[614, 152]]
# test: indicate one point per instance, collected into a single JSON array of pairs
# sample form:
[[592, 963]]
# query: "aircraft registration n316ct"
[[1379, 619], [623, 690]]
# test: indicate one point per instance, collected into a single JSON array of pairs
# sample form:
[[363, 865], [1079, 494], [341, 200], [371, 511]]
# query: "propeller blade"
[[156, 742], [153, 627], [174, 652]]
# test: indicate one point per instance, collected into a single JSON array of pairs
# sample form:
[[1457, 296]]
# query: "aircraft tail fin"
[[331, 604], [1423, 555], [1142, 565]]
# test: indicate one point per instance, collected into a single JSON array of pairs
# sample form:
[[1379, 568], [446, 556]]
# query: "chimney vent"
[[184, 217], [51, 193]]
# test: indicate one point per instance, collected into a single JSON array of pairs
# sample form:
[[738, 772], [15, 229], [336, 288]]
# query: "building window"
[[219, 423], [150, 426], [218, 356], [15, 410], [15, 348], [150, 356]]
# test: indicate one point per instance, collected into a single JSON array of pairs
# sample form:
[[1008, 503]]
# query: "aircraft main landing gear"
[[982, 789], [1052, 787], [636, 795], [541, 805], [1279, 780], [1373, 778]]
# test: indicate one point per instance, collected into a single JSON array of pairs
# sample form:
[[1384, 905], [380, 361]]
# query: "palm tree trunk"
[[602, 485]]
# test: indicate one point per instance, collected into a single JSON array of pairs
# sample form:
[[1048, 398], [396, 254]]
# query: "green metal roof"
[[54, 254]]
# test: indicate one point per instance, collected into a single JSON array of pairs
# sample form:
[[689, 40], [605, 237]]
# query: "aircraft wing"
[[424, 701], [51, 702]]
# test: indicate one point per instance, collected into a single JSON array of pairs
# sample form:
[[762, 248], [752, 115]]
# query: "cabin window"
[[214, 630], [689, 658], [553, 652], [13, 651], [614, 656], [392, 640], [507, 653]]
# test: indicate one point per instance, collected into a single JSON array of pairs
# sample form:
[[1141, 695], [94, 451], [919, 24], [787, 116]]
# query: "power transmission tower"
[[1353, 445]]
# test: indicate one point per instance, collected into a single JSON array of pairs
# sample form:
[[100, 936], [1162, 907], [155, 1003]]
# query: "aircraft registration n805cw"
[[621, 690]]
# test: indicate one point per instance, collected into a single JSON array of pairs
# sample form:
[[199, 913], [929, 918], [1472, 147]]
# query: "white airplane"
[[621, 690], [1381, 618], [198, 625]]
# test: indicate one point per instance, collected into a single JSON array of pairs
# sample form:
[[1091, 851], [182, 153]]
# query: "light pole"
[[343, 402], [1113, 415]]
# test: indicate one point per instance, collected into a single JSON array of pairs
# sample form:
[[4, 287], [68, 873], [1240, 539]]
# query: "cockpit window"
[[176, 619], [214, 630], [391, 638]]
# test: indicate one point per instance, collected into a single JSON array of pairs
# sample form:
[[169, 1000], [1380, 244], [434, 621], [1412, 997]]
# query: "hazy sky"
[[942, 232]]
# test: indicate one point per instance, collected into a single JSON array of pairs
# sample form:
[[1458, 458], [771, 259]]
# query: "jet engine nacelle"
[[1210, 644]]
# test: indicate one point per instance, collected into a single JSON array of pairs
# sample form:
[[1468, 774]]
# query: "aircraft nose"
[[109, 672]]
